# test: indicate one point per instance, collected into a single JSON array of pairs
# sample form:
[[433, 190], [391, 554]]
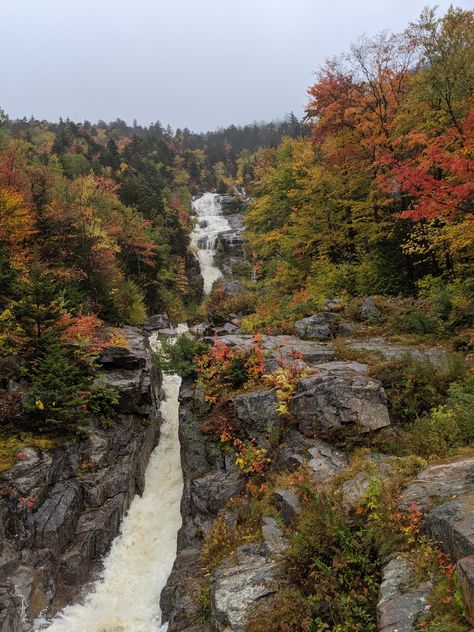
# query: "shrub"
[[332, 560], [102, 401], [446, 427], [417, 321], [129, 303], [225, 369], [414, 386], [180, 356], [56, 398]]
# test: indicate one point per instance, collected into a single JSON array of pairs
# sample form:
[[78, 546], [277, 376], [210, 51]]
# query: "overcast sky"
[[195, 63]]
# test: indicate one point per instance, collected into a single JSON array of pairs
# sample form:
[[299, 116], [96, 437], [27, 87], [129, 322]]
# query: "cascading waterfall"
[[210, 223], [126, 598]]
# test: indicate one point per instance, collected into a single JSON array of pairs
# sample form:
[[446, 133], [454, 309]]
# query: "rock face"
[[466, 585], [400, 604], [390, 351], [322, 326], [237, 588], [60, 510], [338, 402], [445, 493]]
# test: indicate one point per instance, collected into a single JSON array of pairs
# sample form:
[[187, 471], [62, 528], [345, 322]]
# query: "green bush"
[[415, 386], [332, 558], [417, 321], [129, 302], [446, 427], [179, 356], [55, 398], [102, 402]]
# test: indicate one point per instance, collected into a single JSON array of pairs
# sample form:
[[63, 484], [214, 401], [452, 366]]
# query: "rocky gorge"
[[52, 550]]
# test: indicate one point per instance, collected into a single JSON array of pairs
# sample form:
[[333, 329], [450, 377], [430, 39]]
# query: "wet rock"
[[179, 601], [256, 412], [155, 322], [288, 504], [339, 402], [211, 491], [369, 310], [237, 588], [465, 569], [132, 356], [399, 604], [56, 518]]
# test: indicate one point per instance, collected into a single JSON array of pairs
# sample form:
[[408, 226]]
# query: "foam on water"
[[127, 596], [210, 223]]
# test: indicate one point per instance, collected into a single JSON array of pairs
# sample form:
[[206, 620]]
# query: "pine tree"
[[54, 398]]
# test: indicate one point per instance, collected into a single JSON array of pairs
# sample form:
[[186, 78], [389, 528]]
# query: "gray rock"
[[447, 479], [256, 412], [369, 309], [326, 462], [389, 351], [399, 605], [340, 401], [275, 542], [356, 488], [75, 494], [211, 491], [288, 504], [465, 569], [320, 326], [179, 601], [333, 304], [157, 321], [283, 348], [452, 525], [237, 588]]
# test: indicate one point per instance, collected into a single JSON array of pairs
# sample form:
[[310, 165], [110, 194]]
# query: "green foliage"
[[332, 558], [129, 303], [446, 427], [102, 401], [415, 386], [56, 399], [179, 356], [75, 165]]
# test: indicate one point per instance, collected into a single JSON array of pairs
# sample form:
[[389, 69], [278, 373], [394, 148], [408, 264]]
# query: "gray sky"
[[195, 63]]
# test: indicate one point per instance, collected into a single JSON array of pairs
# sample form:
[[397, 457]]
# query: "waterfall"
[[126, 598], [210, 222]]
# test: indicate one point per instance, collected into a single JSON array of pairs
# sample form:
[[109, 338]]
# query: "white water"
[[210, 223], [126, 598]]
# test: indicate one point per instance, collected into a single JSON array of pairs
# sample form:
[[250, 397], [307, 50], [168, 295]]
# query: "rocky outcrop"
[[237, 588], [60, 510], [390, 351], [339, 402], [369, 310], [322, 326], [400, 603], [465, 569]]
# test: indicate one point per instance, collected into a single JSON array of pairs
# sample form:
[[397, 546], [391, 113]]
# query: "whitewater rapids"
[[127, 596]]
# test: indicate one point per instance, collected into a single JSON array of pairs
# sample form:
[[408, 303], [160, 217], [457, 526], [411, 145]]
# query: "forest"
[[357, 220]]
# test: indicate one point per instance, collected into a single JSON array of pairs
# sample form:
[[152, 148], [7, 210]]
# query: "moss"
[[12, 445]]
